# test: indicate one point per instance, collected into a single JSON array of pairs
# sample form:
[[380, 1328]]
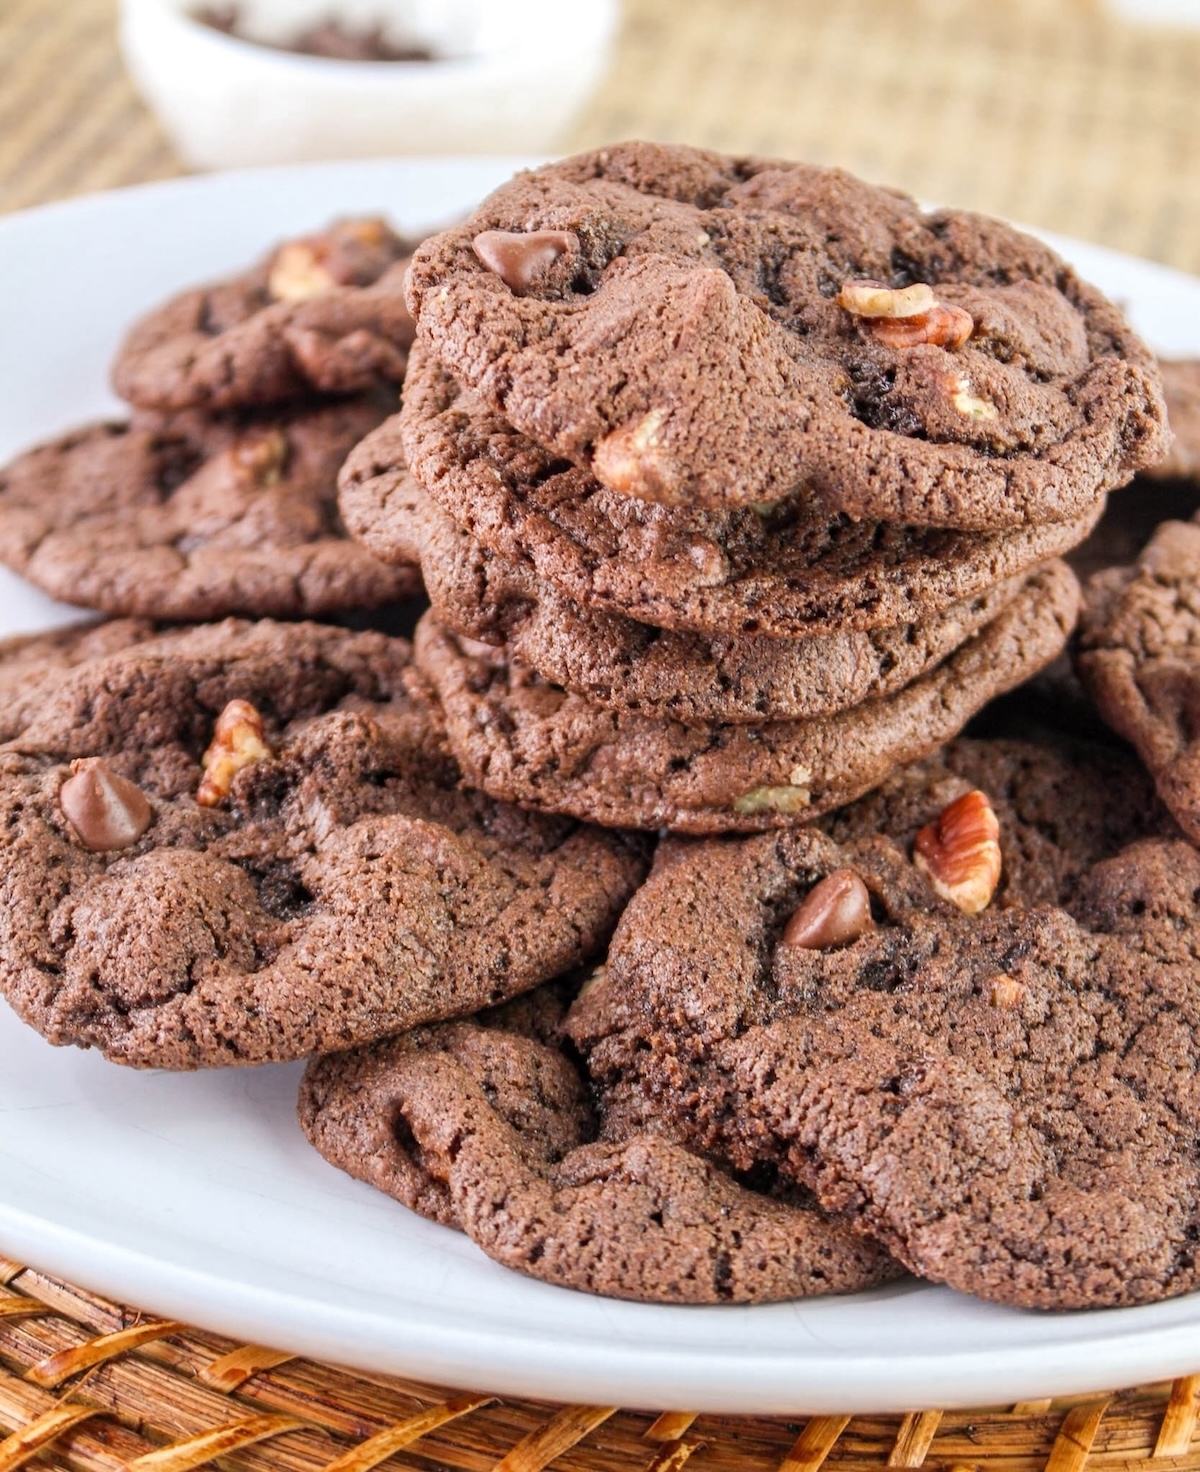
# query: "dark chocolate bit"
[[520, 258], [105, 809], [835, 912]]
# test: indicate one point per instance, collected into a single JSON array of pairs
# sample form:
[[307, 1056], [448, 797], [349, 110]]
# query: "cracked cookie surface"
[[1005, 1100], [343, 888], [487, 1125], [325, 312], [191, 517]]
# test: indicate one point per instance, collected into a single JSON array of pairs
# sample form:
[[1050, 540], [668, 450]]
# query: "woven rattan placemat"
[[1046, 111], [92, 1387]]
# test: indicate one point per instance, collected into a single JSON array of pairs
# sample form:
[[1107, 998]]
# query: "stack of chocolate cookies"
[[724, 511], [737, 488]]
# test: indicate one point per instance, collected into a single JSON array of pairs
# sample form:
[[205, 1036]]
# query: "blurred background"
[[1059, 113]]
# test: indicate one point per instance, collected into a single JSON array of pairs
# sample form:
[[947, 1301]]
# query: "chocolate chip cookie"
[[325, 312], [1181, 388], [707, 331], [786, 572], [248, 843], [524, 740], [1005, 1099], [1139, 658], [487, 1125], [193, 517]]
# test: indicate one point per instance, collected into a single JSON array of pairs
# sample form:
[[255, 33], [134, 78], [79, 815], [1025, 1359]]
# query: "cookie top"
[[524, 740], [323, 312], [1006, 1100], [1139, 658], [487, 1125], [248, 843], [707, 331], [191, 517], [32, 664], [789, 572], [660, 673]]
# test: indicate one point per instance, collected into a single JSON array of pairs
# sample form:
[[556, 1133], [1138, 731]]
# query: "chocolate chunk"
[[519, 259], [106, 810]]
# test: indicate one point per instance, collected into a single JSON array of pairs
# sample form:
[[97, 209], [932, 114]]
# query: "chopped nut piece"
[[960, 853], [1006, 993], [968, 403], [299, 272], [261, 459], [943, 327], [106, 810], [782, 799], [519, 258], [835, 912], [597, 976], [631, 460], [709, 561], [874, 299], [237, 741]]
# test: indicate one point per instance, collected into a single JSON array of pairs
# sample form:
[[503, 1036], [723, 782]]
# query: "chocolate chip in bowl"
[[335, 39], [276, 81]]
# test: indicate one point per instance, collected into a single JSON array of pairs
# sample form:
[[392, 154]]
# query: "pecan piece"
[[237, 741], [865, 298], [960, 853], [905, 316], [943, 327]]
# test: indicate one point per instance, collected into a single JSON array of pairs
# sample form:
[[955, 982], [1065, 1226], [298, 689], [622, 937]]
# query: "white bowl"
[[507, 76]]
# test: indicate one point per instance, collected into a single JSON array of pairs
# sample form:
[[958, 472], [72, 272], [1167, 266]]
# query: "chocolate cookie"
[[790, 572], [524, 740], [487, 1125], [1181, 388], [657, 672], [248, 843], [325, 312], [191, 517], [1005, 1100], [1139, 658], [709, 331], [32, 664]]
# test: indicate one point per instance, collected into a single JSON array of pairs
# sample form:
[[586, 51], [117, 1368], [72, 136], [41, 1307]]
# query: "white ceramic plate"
[[197, 1197]]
